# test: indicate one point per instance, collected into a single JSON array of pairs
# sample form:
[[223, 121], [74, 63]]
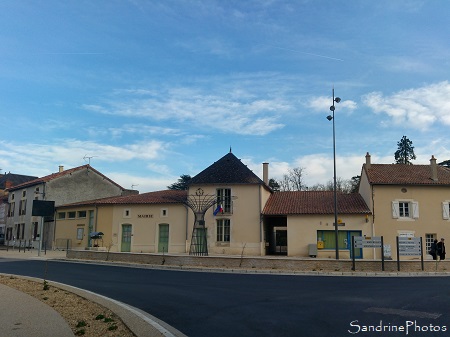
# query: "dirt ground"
[[85, 318]]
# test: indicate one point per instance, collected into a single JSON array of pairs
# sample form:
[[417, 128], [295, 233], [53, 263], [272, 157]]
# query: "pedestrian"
[[440, 249], [433, 249]]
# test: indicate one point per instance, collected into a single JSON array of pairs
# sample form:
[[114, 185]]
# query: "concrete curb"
[[139, 322]]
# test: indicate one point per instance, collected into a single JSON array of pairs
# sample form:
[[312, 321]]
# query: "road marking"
[[404, 313]]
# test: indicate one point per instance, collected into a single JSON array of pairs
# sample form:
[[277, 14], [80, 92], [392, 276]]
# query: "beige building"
[[407, 201]]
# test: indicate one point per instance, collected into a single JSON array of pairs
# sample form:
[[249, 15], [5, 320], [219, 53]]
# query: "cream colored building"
[[407, 201]]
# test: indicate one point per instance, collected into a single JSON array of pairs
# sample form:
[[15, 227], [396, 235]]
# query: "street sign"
[[367, 242]]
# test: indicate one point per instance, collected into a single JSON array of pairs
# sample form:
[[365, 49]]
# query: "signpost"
[[409, 246], [367, 242]]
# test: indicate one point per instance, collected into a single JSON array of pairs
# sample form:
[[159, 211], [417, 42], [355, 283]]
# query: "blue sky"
[[151, 90]]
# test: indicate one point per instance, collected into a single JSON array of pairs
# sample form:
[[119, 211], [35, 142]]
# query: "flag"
[[219, 209]]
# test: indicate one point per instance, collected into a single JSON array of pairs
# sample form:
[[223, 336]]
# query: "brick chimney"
[[266, 173], [368, 163], [8, 184], [433, 166]]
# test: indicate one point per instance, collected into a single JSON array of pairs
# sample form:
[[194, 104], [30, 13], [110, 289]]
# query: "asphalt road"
[[203, 304]]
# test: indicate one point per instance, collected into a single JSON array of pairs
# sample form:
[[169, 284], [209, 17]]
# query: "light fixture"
[[336, 230]]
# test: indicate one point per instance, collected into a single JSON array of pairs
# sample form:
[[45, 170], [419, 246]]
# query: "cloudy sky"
[[150, 90]]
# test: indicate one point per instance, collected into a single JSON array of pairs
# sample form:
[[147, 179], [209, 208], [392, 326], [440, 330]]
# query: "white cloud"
[[418, 108], [323, 103]]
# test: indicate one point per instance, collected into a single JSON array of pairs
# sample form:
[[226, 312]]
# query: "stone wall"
[[259, 263]]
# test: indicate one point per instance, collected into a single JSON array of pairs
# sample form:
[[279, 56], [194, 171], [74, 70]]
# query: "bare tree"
[[293, 180], [342, 185]]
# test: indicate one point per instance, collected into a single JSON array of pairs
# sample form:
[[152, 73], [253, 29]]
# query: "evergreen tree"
[[181, 184], [405, 152]]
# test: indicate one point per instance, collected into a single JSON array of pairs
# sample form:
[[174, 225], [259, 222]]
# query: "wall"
[[430, 220], [288, 265]]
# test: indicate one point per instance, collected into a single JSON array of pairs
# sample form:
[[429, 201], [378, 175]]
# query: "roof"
[[401, 174], [61, 174], [314, 202], [227, 170], [158, 197], [14, 179]]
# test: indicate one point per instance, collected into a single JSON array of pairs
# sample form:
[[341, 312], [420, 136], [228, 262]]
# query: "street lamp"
[[336, 231]]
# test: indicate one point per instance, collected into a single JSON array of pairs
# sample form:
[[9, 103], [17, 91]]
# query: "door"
[[356, 251], [281, 240], [126, 238], [163, 242]]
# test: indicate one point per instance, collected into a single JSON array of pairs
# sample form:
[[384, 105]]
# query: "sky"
[[147, 91]]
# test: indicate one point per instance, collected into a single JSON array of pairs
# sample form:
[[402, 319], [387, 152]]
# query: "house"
[[7, 181], [295, 220], [407, 201], [144, 223], [65, 186]]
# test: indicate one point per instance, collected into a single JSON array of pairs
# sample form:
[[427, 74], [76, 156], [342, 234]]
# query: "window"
[[329, 239], [35, 230], [12, 206], [20, 231], [23, 207], [71, 215], [429, 238], [81, 214], [404, 209], [61, 215], [80, 233], [126, 213], [24, 194], [164, 212], [12, 196], [224, 199], [223, 230]]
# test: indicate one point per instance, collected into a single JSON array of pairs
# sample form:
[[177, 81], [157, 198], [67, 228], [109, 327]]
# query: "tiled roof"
[[314, 202], [14, 179], [400, 174], [61, 174], [159, 197], [227, 170]]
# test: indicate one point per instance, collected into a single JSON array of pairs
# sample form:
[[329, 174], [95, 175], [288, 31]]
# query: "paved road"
[[223, 305]]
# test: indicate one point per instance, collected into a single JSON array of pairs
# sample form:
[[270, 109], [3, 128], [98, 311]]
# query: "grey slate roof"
[[14, 179], [228, 170]]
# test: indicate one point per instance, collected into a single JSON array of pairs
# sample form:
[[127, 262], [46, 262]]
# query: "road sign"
[[367, 242]]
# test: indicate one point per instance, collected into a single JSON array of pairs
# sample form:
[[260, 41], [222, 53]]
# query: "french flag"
[[219, 209]]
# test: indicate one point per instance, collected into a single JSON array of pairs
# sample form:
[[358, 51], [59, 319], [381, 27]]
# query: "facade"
[[152, 222], [407, 201], [65, 186]]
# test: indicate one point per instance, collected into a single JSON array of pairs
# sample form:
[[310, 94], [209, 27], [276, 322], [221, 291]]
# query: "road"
[[203, 304]]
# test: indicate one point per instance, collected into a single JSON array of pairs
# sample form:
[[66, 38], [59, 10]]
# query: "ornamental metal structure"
[[199, 203]]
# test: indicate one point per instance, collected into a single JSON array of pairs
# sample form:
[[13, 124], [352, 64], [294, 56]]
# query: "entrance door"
[[163, 242], [280, 240], [356, 251], [126, 238]]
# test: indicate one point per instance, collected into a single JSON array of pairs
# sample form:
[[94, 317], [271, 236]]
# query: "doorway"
[[163, 241], [126, 238]]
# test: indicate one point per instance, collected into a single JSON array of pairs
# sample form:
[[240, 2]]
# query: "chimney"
[[61, 168], [266, 173], [8, 184], [368, 163], [433, 166]]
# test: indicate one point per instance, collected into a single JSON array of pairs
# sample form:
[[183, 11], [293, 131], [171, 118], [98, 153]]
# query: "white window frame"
[[164, 213], [446, 210], [222, 235], [80, 233], [413, 209], [127, 213]]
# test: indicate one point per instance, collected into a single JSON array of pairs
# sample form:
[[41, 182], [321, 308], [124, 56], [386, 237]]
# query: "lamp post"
[[336, 230]]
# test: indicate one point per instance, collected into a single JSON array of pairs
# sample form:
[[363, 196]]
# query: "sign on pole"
[[409, 246], [367, 242]]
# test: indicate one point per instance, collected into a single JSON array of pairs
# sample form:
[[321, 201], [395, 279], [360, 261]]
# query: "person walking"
[[440, 249], [433, 249]]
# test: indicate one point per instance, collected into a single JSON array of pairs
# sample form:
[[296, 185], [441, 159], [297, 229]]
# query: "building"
[[7, 181], [65, 186], [407, 201]]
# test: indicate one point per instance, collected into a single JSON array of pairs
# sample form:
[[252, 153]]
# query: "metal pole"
[[41, 233], [336, 230]]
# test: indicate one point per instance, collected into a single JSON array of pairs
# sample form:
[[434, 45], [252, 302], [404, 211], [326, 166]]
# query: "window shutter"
[[395, 209], [445, 210], [415, 206]]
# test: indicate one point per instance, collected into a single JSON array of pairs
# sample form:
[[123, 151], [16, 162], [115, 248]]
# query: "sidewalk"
[[22, 315]]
